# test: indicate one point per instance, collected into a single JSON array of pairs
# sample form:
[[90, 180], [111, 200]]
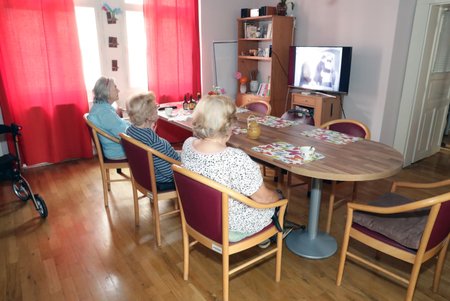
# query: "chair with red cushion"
[[106, 164], [140, 157], [259, 106], [352, 128], [412, 231], [204, 217]]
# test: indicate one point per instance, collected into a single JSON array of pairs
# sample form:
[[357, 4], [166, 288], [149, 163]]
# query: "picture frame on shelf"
[[250, 30]]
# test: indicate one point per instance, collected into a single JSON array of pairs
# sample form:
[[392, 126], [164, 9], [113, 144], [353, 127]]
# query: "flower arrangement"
[[217, 91], [240, 78]]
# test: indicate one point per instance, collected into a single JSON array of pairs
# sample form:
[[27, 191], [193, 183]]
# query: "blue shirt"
[[163, 170], [104, 116]]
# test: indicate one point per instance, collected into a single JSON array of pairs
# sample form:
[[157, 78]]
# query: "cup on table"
[[307, 152], [168, 111]]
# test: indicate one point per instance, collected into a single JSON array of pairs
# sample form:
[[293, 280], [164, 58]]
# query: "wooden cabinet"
[[325, 107], [263, 46]]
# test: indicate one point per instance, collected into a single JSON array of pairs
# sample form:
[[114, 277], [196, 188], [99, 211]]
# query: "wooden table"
[[357, 161]]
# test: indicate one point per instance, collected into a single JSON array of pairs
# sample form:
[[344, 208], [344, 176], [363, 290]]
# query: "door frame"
[[405, 135]]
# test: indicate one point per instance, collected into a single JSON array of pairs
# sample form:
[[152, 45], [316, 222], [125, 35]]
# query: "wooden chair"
[[259, 106], [140, 159], [412, 231], [106, 164], [352, 128], [204, 217]]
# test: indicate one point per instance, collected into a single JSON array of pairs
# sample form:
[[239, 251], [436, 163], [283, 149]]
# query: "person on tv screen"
[[325, 72]]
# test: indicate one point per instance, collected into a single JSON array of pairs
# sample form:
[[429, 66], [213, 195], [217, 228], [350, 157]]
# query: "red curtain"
[[42, 79], [173, 54]]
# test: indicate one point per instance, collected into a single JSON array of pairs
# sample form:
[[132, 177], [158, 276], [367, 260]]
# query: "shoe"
[[266, 243]]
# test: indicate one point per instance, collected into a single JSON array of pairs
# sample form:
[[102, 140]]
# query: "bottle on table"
[[185, 103]]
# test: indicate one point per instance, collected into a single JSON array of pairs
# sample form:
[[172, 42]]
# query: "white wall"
[[379, 32]]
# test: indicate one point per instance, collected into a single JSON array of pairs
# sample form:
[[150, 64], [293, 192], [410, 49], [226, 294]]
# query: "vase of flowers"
[[242, 82]]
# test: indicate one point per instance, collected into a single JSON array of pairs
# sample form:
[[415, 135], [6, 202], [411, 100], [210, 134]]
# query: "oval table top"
[[362, 160]]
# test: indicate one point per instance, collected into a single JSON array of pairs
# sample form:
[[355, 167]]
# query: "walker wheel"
[[21, 190], [41, 207]]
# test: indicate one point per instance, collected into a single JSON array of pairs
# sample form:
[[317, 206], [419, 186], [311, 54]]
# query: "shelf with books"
[[260, 39]]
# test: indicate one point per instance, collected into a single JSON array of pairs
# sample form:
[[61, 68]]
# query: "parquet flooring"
[[84, 251]]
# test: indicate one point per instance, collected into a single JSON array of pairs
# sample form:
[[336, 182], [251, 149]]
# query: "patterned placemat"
[[285, 152], [330, 136], [274, 122]]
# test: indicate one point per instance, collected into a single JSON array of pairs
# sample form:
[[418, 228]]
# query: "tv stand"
[[326, 107]]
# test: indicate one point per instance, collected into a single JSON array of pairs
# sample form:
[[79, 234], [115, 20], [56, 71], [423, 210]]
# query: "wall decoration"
[[112, 42], [111, 13], [114, 65]]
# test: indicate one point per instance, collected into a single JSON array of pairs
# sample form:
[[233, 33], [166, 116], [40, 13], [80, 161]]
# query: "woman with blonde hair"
[[143, 114], [208, 155]]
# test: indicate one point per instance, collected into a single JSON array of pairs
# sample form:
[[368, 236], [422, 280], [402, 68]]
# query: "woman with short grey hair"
[[104, 116]]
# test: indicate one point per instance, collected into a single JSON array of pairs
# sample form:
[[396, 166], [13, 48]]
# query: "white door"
[[434, 86]]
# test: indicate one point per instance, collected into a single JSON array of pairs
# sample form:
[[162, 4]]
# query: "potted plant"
[[282, 7]]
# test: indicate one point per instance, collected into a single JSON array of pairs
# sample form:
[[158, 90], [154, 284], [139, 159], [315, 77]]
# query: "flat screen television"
[[324, 68]]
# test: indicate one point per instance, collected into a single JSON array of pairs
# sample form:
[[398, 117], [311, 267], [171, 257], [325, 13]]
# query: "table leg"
[[311, 243]]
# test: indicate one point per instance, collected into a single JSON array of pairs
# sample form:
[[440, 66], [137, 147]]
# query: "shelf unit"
[[263, 33]]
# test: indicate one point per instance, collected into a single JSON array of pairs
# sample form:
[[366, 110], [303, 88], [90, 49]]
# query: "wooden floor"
[[83, 251]]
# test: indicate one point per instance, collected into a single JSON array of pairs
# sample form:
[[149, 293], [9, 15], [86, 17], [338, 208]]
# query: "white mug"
[[307, 152], [168, 111]]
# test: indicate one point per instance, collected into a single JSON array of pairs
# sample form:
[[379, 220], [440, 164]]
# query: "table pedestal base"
[[300, 243]]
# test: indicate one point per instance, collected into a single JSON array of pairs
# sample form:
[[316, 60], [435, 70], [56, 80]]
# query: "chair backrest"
[[201, 203], [349, 127], [94, 132], [259, 106], [140, 160], [441, 227]]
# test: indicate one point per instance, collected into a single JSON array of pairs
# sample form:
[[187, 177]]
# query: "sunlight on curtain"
[[137, 46], [87, 34]]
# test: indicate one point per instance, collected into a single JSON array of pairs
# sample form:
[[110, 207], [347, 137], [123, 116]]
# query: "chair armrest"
[[401, 208], [414, 185], [249, 202]]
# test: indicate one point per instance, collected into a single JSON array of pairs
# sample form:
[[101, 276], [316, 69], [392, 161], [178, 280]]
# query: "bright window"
[[137, 48], [87, 34]]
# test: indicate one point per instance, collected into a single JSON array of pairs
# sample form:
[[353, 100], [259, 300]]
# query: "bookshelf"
[[263, 45]]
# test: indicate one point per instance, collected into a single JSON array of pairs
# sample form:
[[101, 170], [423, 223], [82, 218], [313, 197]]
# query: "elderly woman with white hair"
[[208, 154], [104, 116]]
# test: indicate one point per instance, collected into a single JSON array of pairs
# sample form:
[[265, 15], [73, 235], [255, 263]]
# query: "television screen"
[[320, 68]]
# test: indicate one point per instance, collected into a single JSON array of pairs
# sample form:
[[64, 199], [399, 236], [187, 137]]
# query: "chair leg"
[[439, 265], [136, 205], [185, 253], [278, 259], [225, 276], [355, 190], [345, 241], [105, 186], [331, 206], [157, 221], [413, 280]]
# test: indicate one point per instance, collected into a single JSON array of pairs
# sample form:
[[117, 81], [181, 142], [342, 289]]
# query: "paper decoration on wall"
[[114, 65], [112, 42], [111, 13]]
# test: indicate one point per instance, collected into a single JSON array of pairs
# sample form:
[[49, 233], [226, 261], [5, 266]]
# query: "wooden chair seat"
[[204, 217], [143, 179], [106, 164], [376, 227], [352, 128]]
